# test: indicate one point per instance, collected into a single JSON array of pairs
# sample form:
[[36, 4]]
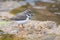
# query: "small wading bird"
[[22, 18]]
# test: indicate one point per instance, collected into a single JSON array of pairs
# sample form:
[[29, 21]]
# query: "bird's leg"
[[18, 28], [18, 25], [22, 25]]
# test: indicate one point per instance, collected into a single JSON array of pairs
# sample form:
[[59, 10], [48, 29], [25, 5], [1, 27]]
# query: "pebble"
[[33, 29]]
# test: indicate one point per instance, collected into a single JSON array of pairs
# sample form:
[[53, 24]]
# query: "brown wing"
[[20, 17]]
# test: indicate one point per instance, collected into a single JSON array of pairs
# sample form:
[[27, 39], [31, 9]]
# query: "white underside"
[[23, 21]]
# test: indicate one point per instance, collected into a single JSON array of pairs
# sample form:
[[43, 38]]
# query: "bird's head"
[[29, 13]]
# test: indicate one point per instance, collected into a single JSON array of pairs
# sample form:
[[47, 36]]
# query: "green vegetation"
[[7, 37], [11, 37], [1, 31], [54, 8], [42, 17], [3, 23], [19, 9]]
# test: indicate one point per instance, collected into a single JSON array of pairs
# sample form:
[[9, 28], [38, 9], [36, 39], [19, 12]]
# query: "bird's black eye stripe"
[[28, 14]]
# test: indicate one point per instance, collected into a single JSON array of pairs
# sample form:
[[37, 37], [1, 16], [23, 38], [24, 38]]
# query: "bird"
[[22, 18]]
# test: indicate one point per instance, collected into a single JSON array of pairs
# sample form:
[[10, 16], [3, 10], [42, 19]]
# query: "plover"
[[22, 18]]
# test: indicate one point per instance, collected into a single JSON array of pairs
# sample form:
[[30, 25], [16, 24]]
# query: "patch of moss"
[[7, 37], [19, 9], [11, 37], [1, 31], [54, 8]]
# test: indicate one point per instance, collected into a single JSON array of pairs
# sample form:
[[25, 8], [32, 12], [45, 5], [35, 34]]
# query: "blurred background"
[[42, 9], [47, 11]]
